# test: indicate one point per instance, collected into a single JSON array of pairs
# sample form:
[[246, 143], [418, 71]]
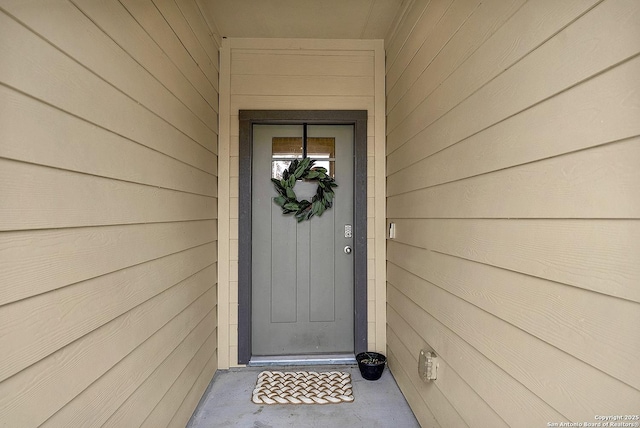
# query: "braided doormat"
[[302, 388]]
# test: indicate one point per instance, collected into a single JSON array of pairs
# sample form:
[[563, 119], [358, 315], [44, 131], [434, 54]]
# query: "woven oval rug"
[[275, 387]]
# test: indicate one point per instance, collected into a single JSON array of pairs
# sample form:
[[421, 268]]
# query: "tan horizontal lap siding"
[[297, 74], [108, 208], [314, 62], [512, 177]]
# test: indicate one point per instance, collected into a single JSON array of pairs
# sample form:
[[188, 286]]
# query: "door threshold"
[[302, 360]]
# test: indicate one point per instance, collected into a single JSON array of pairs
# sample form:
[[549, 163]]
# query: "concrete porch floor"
[[227, 403]]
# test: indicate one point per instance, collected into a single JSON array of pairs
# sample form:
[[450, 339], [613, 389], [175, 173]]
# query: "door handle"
[[347, 249]]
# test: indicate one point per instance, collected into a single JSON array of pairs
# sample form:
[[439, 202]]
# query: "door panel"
[[302, 280]]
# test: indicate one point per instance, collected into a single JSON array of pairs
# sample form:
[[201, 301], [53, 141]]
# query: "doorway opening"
[[302, 286]]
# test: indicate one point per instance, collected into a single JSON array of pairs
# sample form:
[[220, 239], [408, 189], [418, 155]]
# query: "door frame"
[[247, 118]]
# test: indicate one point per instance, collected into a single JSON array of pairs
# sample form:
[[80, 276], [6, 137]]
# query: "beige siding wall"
[[286, 74], [108, 207], [513, 154]]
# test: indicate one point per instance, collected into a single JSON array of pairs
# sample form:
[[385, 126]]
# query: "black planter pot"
[[369, 370]]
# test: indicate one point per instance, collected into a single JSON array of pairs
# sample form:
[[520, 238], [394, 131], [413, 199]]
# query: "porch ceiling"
[[317, 19]]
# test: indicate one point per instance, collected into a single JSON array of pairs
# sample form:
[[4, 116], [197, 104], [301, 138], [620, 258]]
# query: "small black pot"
[[371, 371]]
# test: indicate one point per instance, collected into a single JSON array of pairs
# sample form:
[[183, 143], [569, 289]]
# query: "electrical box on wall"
[[428, 365]]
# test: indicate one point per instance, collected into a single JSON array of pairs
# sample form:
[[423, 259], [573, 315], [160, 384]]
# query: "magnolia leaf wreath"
[[287, 199]]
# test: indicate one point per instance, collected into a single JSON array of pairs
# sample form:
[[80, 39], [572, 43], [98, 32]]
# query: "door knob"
[[347, 249]]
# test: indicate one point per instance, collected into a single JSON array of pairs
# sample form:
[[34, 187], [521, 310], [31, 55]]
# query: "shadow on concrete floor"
[[227, 403]]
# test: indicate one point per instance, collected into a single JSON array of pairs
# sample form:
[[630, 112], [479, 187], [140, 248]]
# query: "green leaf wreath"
[[287, 199]]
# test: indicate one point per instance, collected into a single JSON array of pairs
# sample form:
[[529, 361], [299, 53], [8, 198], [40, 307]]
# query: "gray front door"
[[302, 277]]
